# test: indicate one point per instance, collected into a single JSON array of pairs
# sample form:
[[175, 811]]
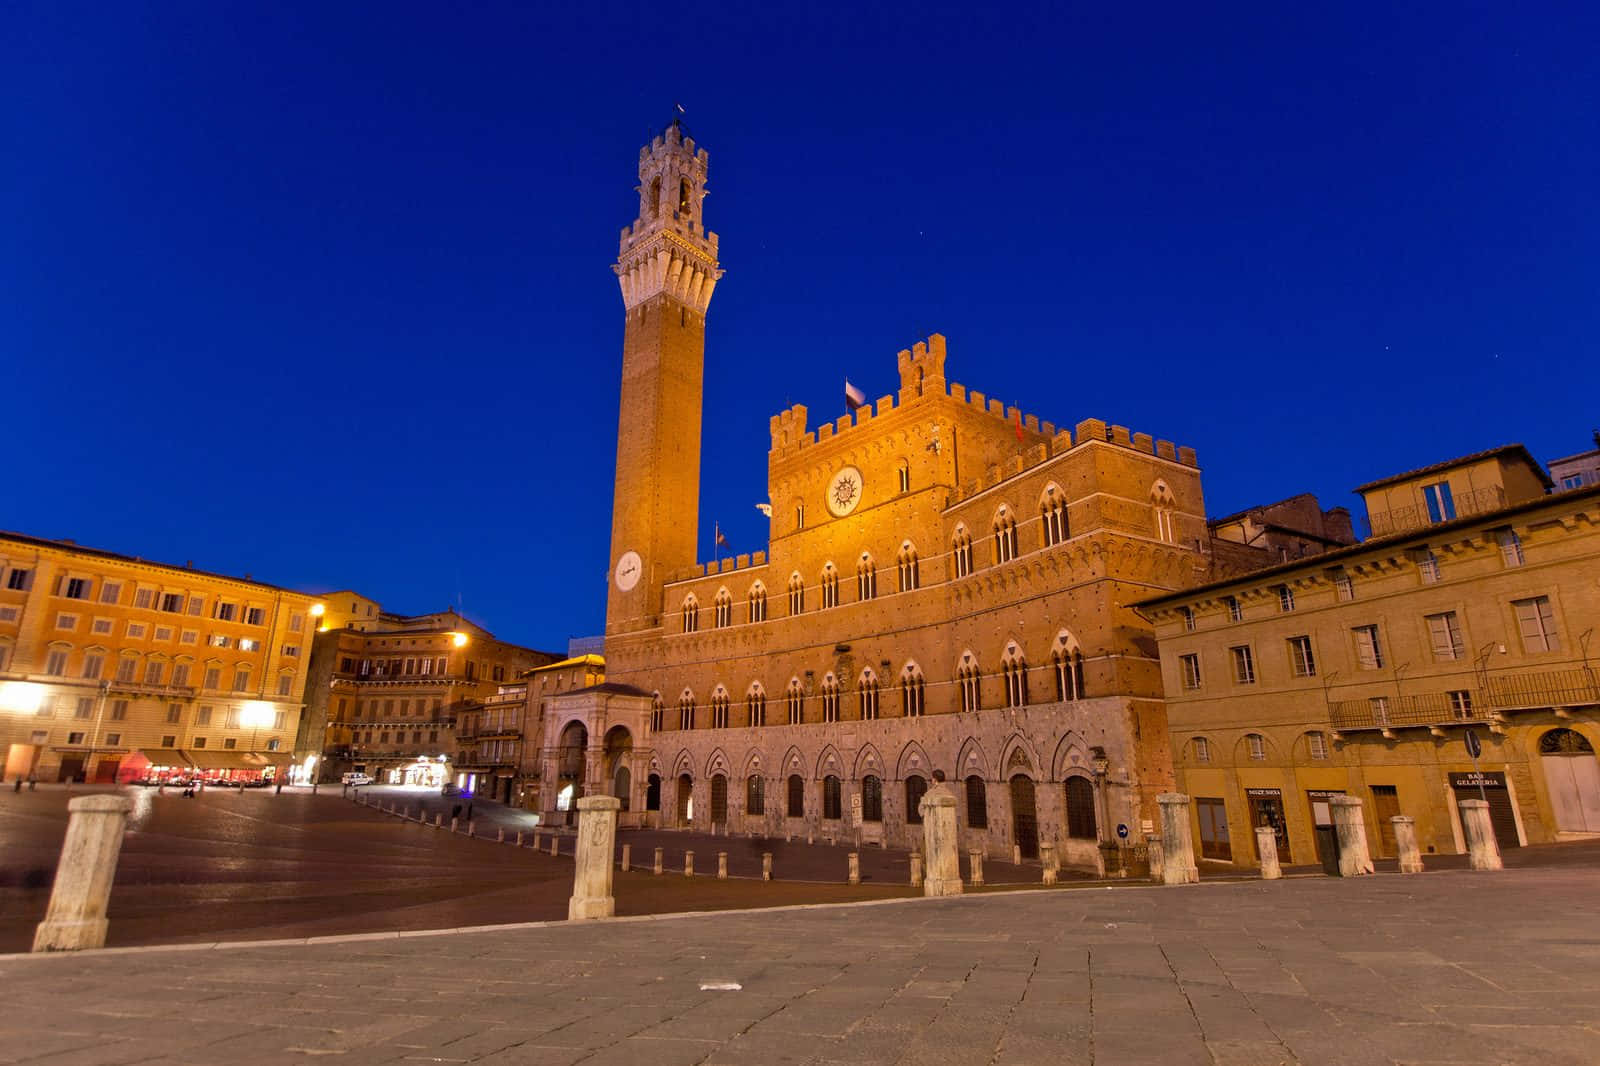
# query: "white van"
[[357, 779]]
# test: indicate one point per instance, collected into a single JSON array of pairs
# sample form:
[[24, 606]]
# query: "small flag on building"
[[1019, 427], [854, 398], [722, 540]]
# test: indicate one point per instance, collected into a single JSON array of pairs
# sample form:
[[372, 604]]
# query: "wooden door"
[[1025, 816], [1385, 805]]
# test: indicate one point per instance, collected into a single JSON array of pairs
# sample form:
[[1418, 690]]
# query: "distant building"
[[385, 690], [116, 668], [1289, 529], [1578, 471], [1358, 670], [500, 739]]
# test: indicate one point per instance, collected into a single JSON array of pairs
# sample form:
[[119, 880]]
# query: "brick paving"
[[1450, 967]]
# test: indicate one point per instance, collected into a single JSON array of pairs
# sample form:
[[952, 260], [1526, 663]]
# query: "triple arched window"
[[1066, 660], [867, 693], [686, 710], [797, 593], [755, 704], [758, 602], [723, 610], [719, 708], [1015, 670], [658, 711], [1005, 535], [1162, 510], [866, 578], [830, 586], [691, 613], [967, 681], [794, 699], [1053, 515], [912, 689], [961, 552], [906, 567], [830, 699]]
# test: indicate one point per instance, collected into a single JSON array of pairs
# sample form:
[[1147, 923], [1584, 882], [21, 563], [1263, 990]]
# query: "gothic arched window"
[[723, 613], [967, 679], [691, 613], [1053, 515], [830, 586], [1005, 535], [911, 691], [830, 699], [797, 593], [794, 697], [961, 551], [686, 710], [719, 708], [906, 567], [1067, 662], [755, 704], [1015, 669], [867, 694], [758, 602], [866, 578], [1162, 509]]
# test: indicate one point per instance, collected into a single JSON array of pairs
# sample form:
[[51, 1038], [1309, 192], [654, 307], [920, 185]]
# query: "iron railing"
[[1553, 688], [1400, 519], [1425, 709]]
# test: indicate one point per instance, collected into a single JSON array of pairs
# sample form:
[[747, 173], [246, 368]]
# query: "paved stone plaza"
[[1449, 967]]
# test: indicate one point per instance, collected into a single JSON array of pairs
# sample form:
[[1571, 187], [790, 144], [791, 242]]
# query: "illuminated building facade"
[[947, 589], [500, 740], [1474, 607], [114, 668], [386, 690]]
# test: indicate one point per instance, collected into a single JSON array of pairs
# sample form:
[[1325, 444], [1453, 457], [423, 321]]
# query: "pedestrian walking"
[[33, 782], [469, 812], [19, 784]]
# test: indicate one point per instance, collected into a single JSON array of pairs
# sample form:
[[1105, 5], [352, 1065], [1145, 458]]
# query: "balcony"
[[139, 688], [1552, 689], [1404, 519], [1431, 710]]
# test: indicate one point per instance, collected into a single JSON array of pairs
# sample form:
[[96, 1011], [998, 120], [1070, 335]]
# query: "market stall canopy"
[[235, 760]]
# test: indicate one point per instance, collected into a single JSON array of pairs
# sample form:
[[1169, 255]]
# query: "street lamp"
[[317, 611], [21, 697], [256, 715], [458, 640]]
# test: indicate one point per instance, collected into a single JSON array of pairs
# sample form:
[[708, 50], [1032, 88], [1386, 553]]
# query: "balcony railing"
[[139, 688], [1554, 688], [1426, 709], [1401, 519]]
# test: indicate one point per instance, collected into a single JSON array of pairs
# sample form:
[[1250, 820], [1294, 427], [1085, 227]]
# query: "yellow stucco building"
[[1358, 671], [114, 668]]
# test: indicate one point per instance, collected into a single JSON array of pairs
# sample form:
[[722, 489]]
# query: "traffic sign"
[[1474, 748], [1122, 831]]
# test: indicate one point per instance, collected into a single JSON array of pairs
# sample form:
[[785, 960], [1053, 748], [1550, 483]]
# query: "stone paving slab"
[[1451, 967]]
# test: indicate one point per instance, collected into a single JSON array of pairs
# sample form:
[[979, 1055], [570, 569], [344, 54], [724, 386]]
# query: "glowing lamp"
[[256, 714], [21, 697], [458, 639]]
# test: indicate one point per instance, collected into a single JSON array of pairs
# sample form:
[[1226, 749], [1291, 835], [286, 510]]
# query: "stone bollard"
[[854, 876], [538, 840], [1016, 854], [76, 916], [1177, 841], [766, 866], [627, 854], [916, 868], [660, 856], [555, 846], [438, 820], [939, 839], [1405, 842], [1354, 858], [1483, 850], [975, 862], [1047, 859], [455, 825], [1153, 854], [518, 844], [688, 864], [313, 788], [472, 829], [1267, 845], [591, 859], [722, 866], [500, 835]]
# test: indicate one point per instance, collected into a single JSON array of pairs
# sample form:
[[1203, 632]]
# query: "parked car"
[[357, 779], [450, 790]]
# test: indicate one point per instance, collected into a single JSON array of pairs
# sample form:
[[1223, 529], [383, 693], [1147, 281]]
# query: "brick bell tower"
[[667, 267]]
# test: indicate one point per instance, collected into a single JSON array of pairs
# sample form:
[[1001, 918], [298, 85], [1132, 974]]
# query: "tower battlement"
[[666, 249]]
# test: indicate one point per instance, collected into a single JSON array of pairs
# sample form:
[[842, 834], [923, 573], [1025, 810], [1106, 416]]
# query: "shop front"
[[238, 767], [154, 766]]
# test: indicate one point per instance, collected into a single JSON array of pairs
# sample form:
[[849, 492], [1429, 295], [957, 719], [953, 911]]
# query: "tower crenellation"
[[667, 248]]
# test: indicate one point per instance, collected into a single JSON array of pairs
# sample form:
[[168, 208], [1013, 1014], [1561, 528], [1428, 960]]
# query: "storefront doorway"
[[1266, 808], [1214, 843], [1321, 816], [1501, 814]]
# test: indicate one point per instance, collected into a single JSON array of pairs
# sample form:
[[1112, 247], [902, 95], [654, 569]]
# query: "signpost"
[[1122, 831]]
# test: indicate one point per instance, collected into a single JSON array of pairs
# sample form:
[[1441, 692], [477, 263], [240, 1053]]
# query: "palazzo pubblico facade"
[[947, 593]]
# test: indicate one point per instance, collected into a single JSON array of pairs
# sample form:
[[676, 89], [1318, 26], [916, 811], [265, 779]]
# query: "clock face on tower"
[[844, 492], [628, 570]]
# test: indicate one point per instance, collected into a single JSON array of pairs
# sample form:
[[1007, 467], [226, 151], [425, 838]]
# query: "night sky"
[[324, 294]]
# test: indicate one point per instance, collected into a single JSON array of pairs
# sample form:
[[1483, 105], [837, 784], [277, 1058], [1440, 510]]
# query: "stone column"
[[1177, 841], [591, 876], [916, 868], [1267, 845], [939, 840], [688, 864], [854, 876], [1405, 842], [1047, 859], [1354, 859], [555, 845], [1483, 851], [500, 835], [627, 850], [722, 866], [1016, 854], [1154, 853], [660, 854], [76, 917], [766, 866], [975, 861]]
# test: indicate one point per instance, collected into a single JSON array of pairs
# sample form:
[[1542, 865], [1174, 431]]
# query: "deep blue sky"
[[322, 294]]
